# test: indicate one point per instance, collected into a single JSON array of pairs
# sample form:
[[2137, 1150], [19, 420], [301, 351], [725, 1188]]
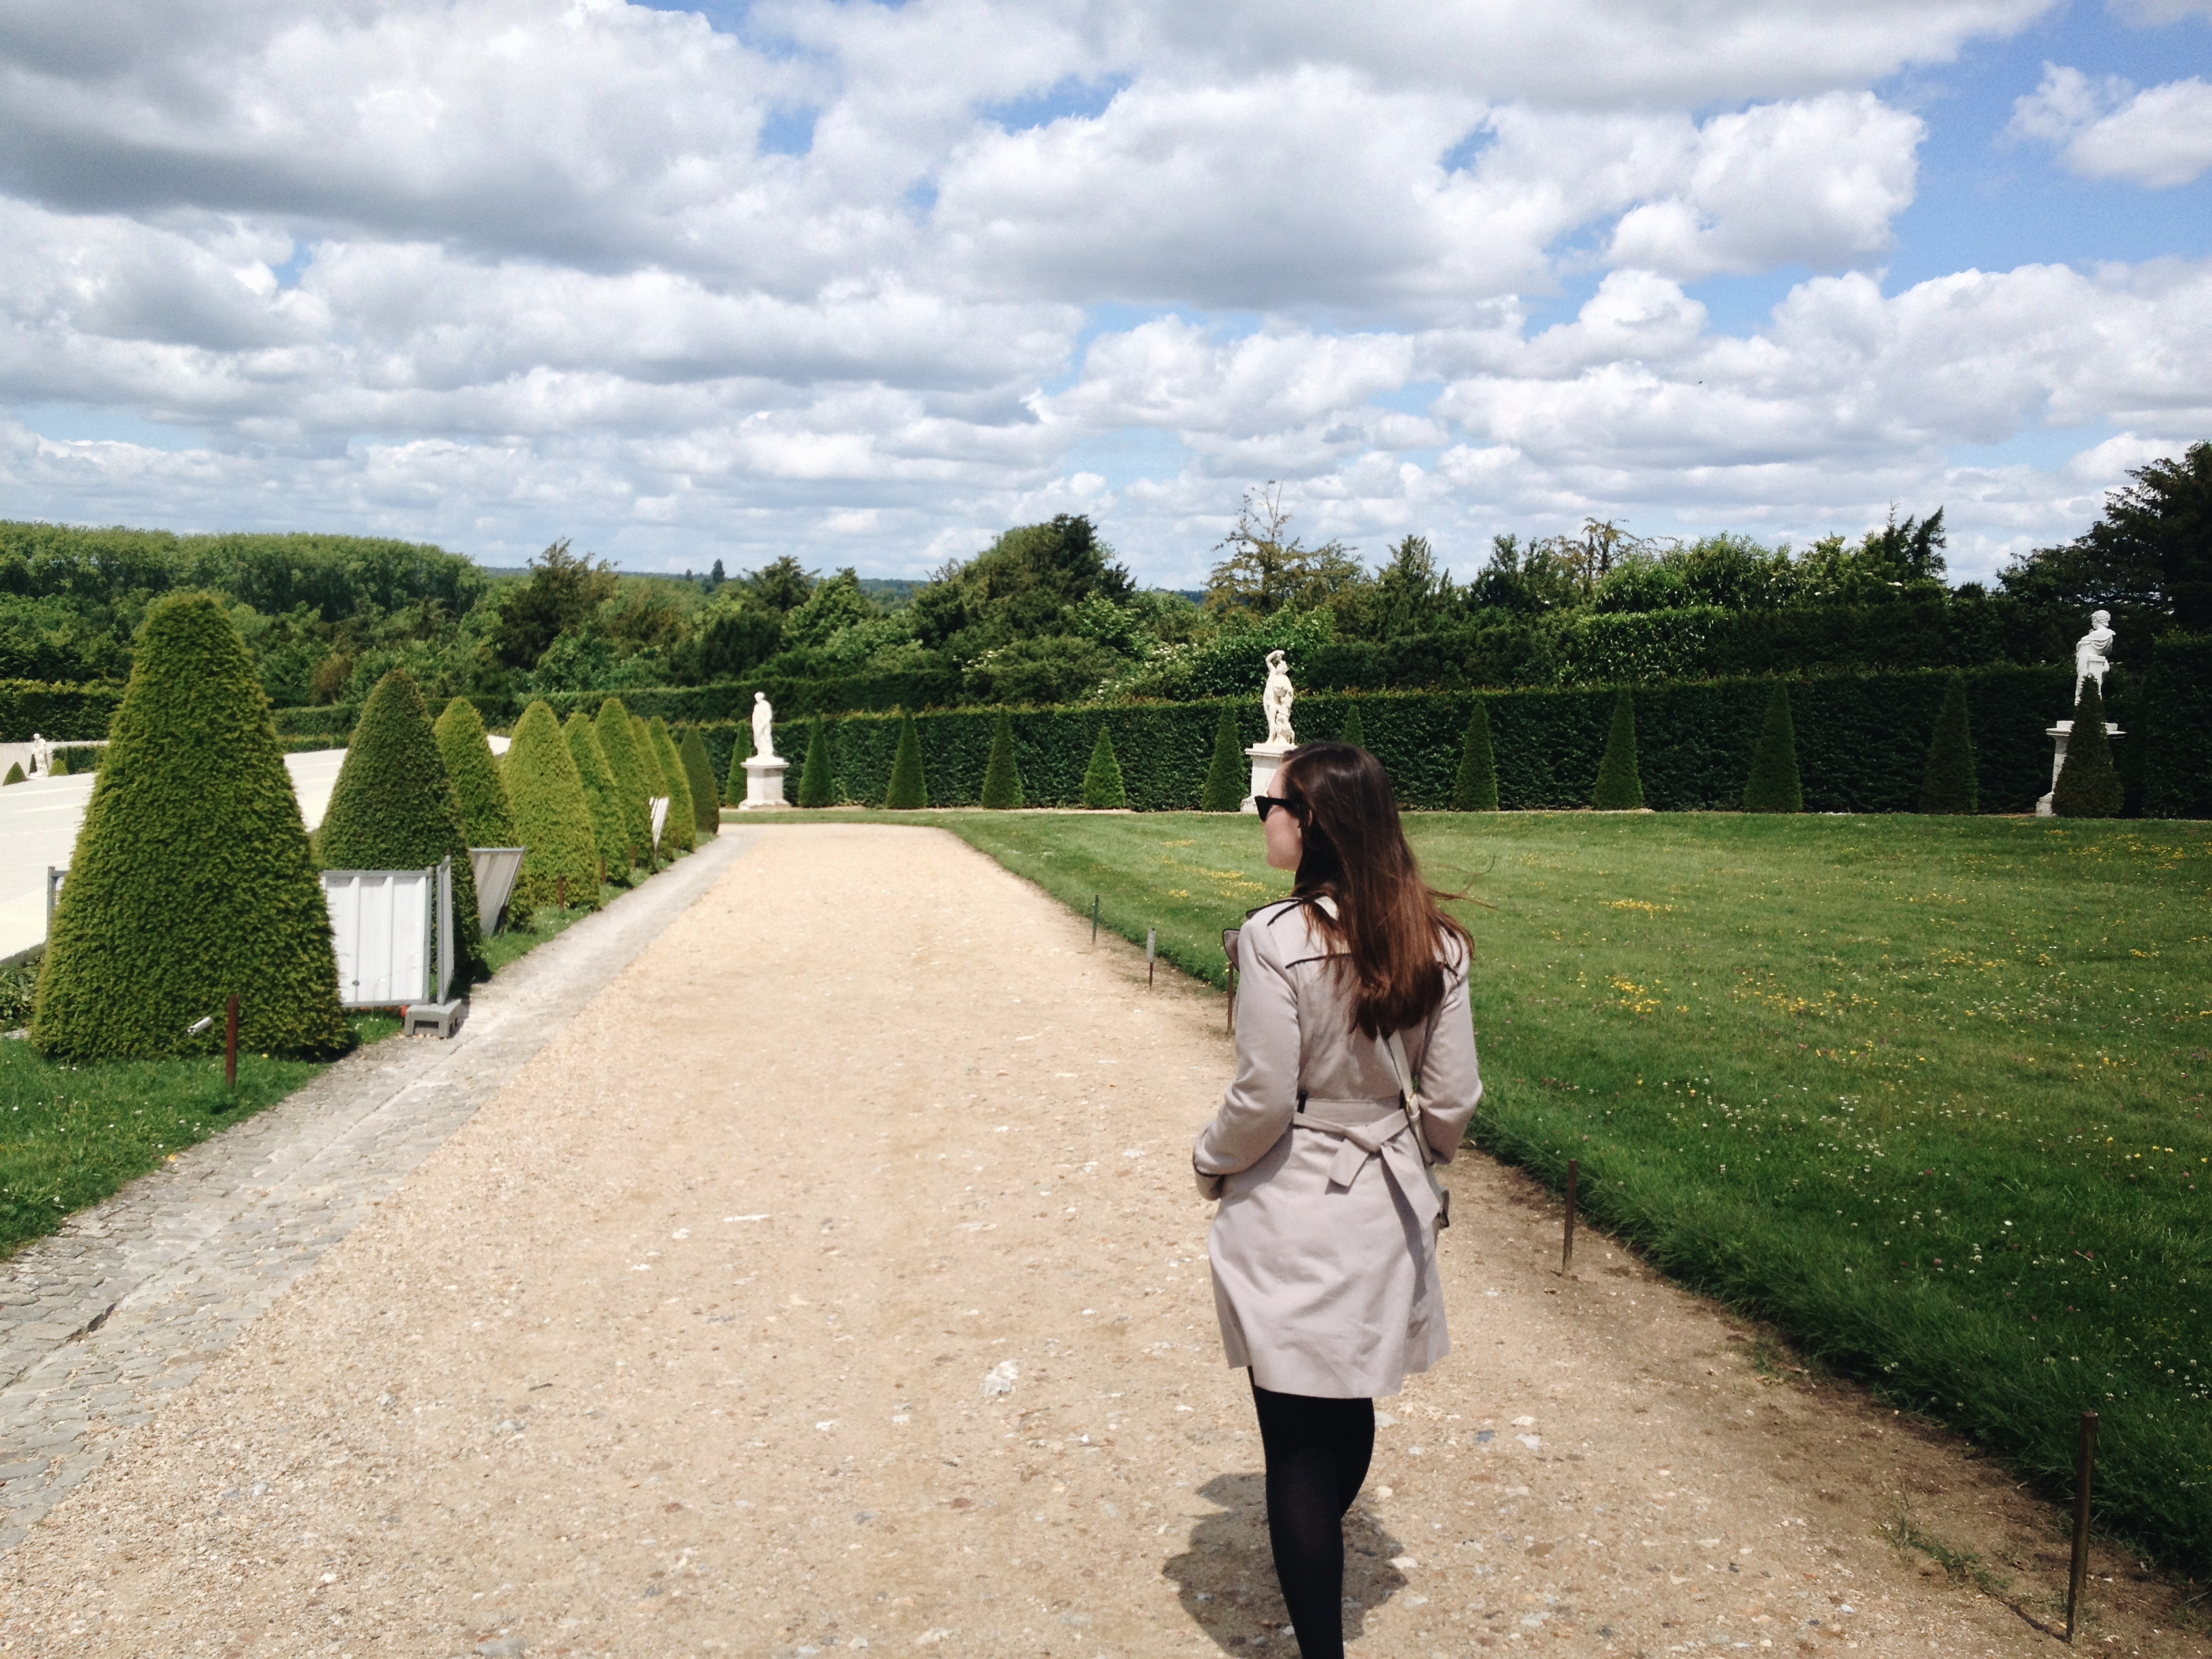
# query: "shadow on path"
[[1226, 1579]]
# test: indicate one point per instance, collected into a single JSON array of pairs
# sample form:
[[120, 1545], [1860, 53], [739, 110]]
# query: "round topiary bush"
[[609, 833], [486, 818], [551, 817], [191, 880], [394, 808]]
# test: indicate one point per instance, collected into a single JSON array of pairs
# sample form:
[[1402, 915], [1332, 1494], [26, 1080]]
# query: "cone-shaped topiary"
[[1619, 784], [1950, 784], [681, 833], [1355, 729], [393, 808], [191, 882], [1102, 779], [486, 819], [909, 789], [735, 785], [551, 817], [1475, 788], [699, 775], [14, 773], [618, 743], [2089, 783], [1002, 774], [1774, 785], [816, 786], [1228, 778], [610, 834]]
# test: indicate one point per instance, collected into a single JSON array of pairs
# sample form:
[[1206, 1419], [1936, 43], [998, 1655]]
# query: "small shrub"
[[1949, 785], [1355, 729], [1774, 785], [2089, 783], [736, 785], [1229, 777], [14, 773], [909, 789], [816, 787], [1101, 781], [486, 819], [1002, 773], [1619, 782], [699, 776], [551, 817], [1475, 788]]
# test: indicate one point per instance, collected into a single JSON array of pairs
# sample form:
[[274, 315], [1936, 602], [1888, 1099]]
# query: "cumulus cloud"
[[2158, 137]]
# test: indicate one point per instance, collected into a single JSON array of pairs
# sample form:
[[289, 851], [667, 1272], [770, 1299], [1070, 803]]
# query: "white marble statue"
[[763, 727], [1275, 703], [42, 757], [2090, 660]]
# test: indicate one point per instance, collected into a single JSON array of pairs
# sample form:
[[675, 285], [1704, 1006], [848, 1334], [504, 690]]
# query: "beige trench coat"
[[1324, 1248]]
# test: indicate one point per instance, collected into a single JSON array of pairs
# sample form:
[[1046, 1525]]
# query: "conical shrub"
[[618, 743], [1774, 785], [909, 789], [1475, 788], [2089, 783], [1228, 777], [681, 833], [191, 882], [486, 819], [818, 785], [610, 834], [1619, 784], [14, 773], [699, 776], [1002, 774], [394, 808], [1102, 779], [1950, 784], [735, 784], [551, 817], [1355, 729]]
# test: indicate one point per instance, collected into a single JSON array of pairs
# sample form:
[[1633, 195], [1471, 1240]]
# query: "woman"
[[1324, 1248]]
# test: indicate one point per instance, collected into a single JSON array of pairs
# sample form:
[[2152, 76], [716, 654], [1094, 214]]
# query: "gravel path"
[[832, 1281]]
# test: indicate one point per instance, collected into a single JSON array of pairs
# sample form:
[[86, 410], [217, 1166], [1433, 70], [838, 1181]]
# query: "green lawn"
[[1929, 1094]]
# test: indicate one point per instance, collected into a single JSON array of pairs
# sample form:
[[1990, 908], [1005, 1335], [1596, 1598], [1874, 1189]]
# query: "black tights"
[[1317, 1453]]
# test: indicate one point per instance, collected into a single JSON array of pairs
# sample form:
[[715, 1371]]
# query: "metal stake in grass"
[[2085, 1465], [1567, 1251], [230, 1044], [1152, 949], [1094, 921]]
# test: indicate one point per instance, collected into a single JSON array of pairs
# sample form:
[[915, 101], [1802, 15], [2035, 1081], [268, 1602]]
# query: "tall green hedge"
[[1775, 785], [1949, 785], [58, 712], [2174, 730], [1619, 785], [633, 785], [191, 880], [681, 833], [1002, 773], [908, 787], [393, 807], [486, 819], [610, 829], [1102, 788], [551, 817], [699, 775], [1861, 743], [1475, 788]]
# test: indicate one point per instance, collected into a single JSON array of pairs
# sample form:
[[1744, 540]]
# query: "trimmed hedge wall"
[[2174, 753], [1861, 743], [58, 712]]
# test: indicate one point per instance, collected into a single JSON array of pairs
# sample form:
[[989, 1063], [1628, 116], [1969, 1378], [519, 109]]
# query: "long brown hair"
[[1387, 921]]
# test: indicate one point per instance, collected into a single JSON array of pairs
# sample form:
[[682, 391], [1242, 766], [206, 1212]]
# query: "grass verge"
[[1927, 1094]]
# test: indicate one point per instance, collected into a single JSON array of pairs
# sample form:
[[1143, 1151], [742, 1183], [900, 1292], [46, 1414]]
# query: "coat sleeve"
[[1257, 1109], [1451, 1085]]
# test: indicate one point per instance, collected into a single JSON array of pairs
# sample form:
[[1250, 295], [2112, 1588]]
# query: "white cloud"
[[2158, 137]]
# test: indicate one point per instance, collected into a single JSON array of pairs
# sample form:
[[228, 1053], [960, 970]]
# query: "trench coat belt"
[[1363, 1128]]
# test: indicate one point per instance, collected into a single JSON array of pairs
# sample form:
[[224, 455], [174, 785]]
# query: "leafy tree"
[[563, 590], [1002, 774], [1102, 780], [1228, 777], [1026, 585], [1267, 569], [1619, 784], [486, 820], [609, 826], [2088, 783], [633, 784], [2151, 550], [818, 784], [681, 830], [394, 808], [1475, 788], [1061, 668], [1355, 730], [909, 790], [1898, 560], [552, 817], [1949, 785], [699, 778], [1774, 785], [715, 578], [1527, 578], [780, 588], [191, 880], [730, 638]]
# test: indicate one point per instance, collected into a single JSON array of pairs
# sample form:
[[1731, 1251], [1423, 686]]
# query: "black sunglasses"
[[1266, 803]]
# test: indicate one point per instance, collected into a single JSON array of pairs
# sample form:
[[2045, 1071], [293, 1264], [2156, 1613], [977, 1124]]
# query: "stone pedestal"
[[1267, 760], [2058, 734], [764, 785]]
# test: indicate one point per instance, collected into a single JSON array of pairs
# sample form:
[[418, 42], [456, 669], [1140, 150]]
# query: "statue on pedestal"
[[42, 757], [763, 727], [2090, 660], [1275, 703]]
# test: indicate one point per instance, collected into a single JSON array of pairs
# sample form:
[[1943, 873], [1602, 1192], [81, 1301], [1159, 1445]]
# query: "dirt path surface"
[[833, 1280]]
